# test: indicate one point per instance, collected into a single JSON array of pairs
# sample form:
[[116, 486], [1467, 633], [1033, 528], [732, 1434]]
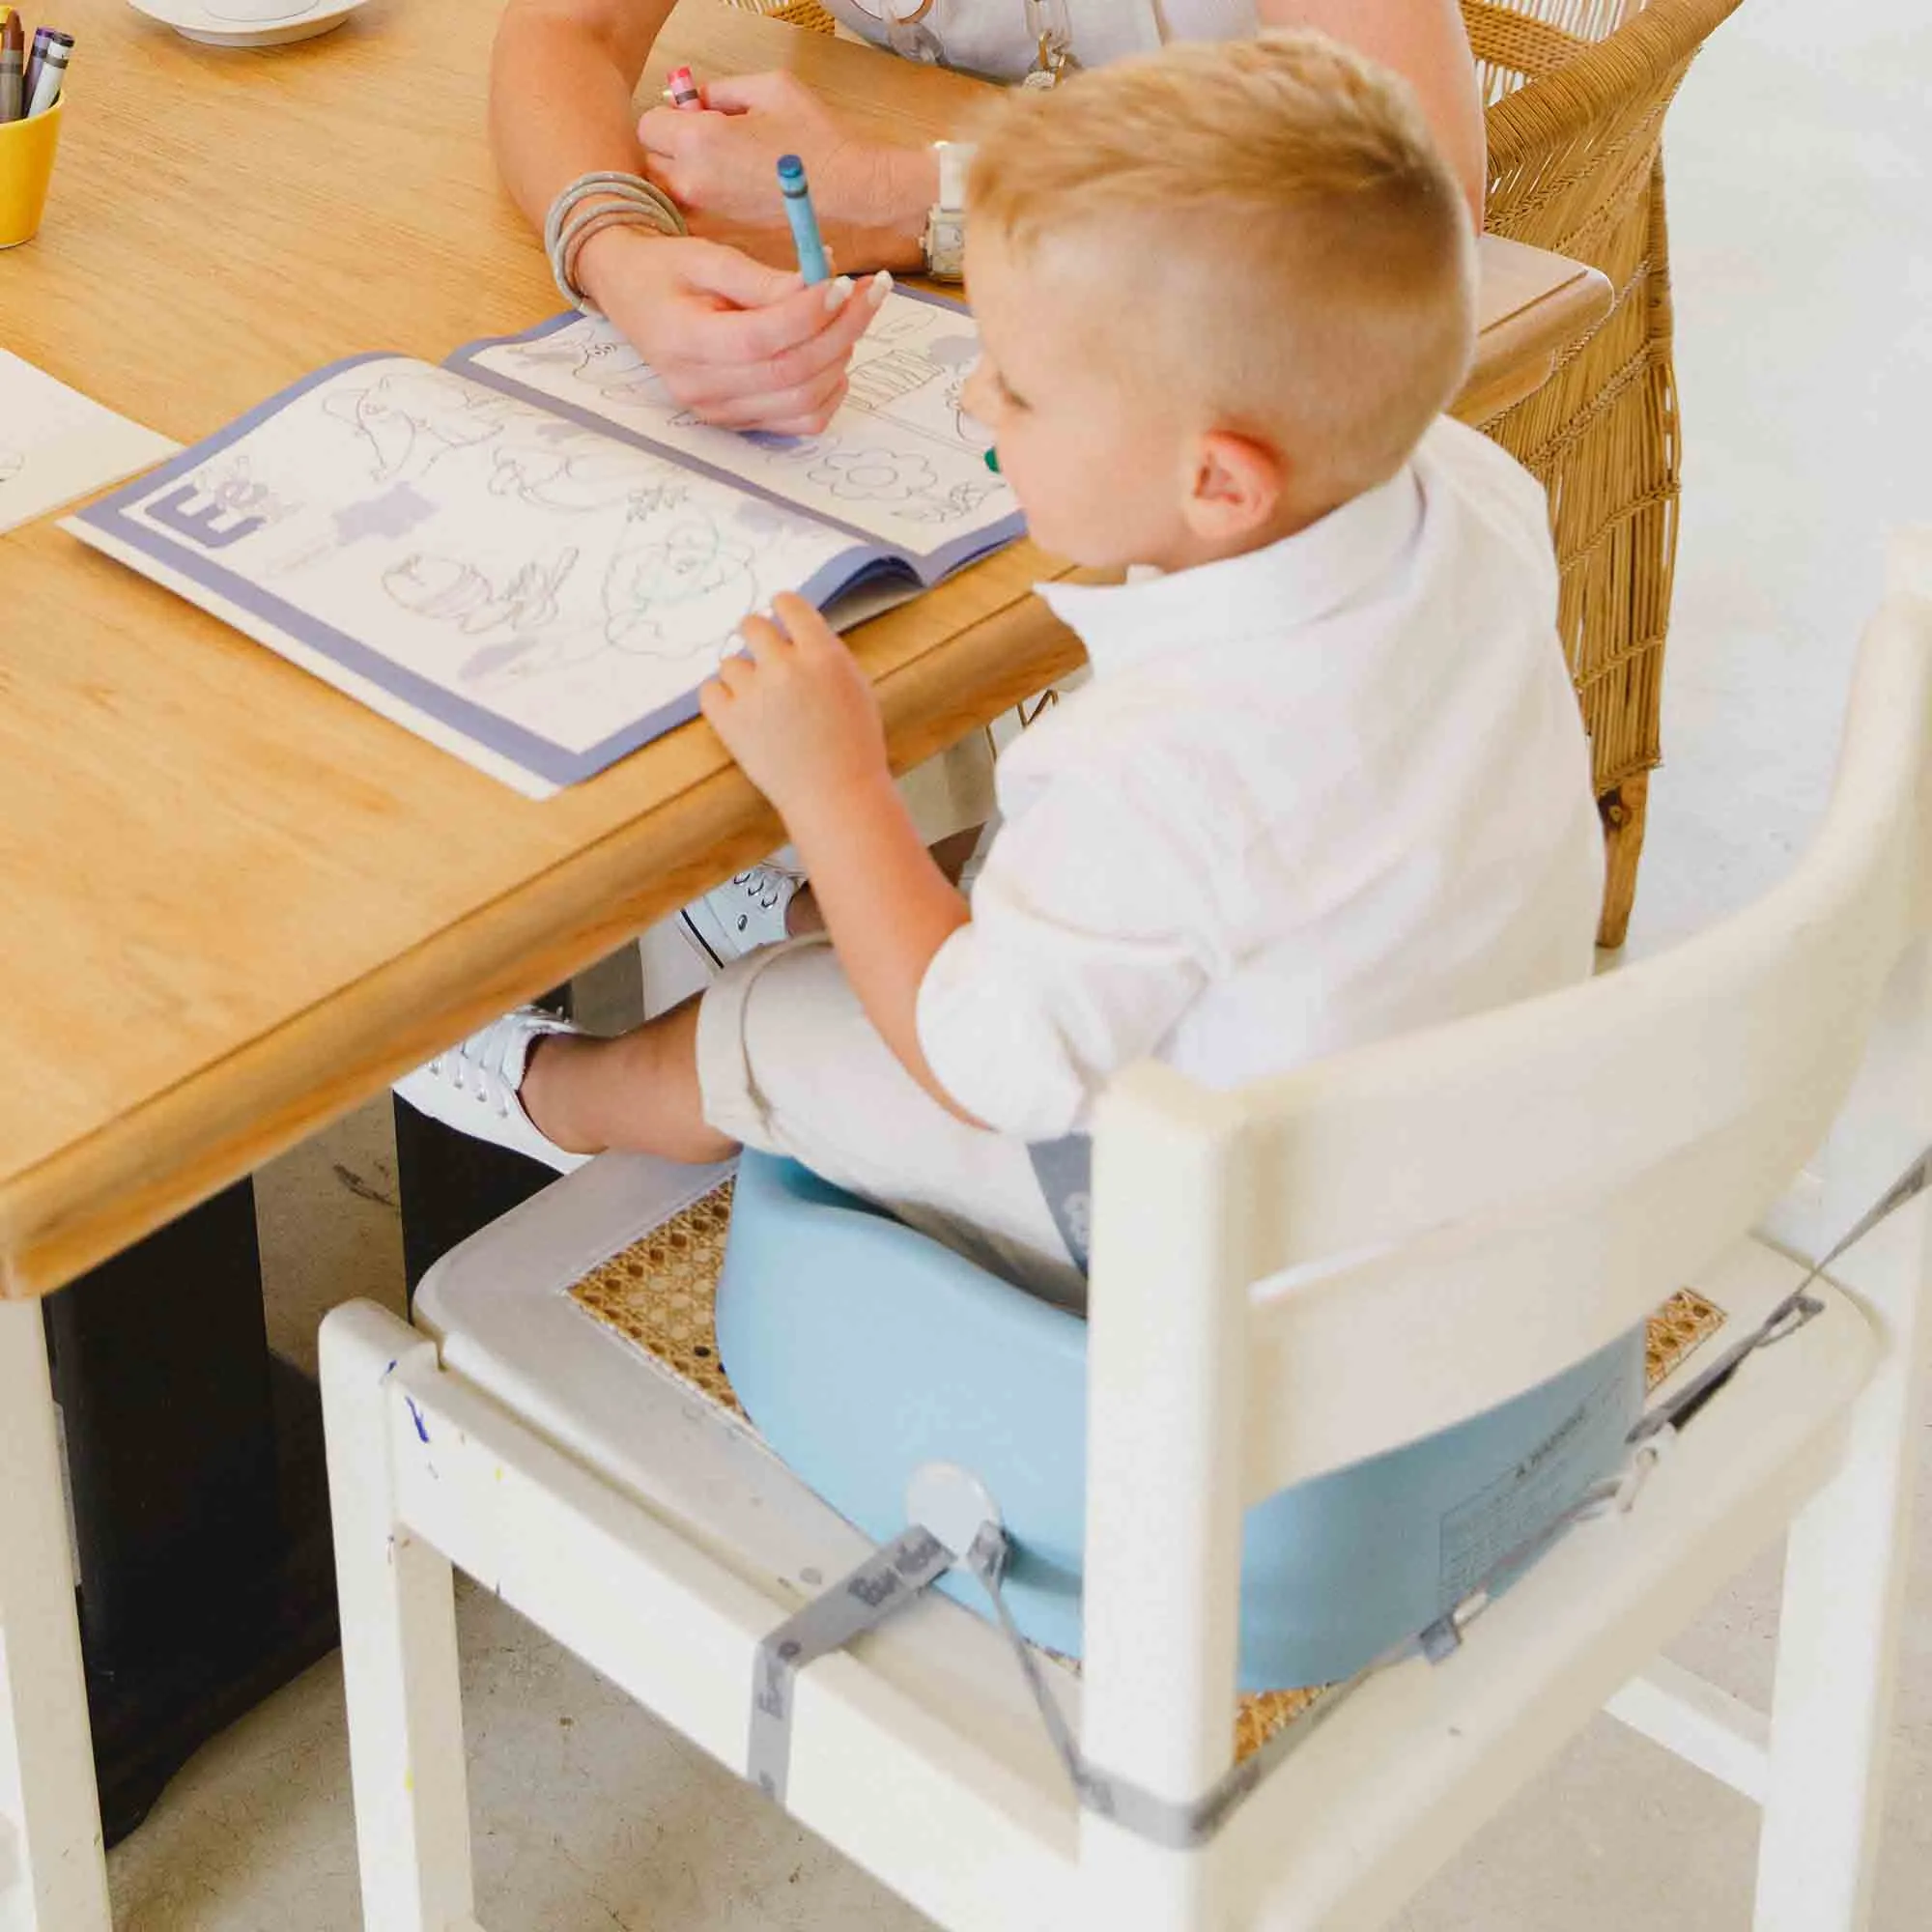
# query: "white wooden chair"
[[52, 1874], [1285, 1279]]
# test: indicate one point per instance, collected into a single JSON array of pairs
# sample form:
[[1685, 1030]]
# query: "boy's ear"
[[1237, 486]]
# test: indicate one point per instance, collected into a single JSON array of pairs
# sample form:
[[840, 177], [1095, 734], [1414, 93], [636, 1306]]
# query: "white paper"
[[56, 445], [901, 461]]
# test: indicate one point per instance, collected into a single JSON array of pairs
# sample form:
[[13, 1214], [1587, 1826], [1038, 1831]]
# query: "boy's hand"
[[797, 713]]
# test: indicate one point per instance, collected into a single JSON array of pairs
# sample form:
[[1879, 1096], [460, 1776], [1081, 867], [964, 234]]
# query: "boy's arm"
[[1090, 934], [886, 905], [797, 715]]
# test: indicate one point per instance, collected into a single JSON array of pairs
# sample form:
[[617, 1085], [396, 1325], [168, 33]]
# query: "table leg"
[[200, 1497], [52, 1878]]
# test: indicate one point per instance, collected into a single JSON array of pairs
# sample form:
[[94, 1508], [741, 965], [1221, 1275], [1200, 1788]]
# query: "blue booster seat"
[[863, 1351]]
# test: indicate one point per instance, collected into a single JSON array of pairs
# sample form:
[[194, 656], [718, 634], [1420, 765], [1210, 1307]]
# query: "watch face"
[[946, 244]]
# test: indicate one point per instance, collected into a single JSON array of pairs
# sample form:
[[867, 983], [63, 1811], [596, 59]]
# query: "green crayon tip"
[[993, 461]]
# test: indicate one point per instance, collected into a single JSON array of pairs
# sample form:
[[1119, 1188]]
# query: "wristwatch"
[[945, 238]]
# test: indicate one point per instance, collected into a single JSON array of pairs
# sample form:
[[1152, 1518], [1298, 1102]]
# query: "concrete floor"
[[1801, 219]]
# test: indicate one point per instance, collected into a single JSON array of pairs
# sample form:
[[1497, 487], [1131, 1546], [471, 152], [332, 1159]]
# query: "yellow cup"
[[26, 166]]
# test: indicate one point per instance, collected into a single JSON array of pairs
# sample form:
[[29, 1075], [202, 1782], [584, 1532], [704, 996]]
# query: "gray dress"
[[991, 37]]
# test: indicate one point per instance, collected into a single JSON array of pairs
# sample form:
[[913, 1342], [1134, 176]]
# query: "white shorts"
[[788, 1062]]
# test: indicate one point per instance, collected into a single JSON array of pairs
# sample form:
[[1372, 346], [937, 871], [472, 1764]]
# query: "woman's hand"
[[721, 167], [741, 345]]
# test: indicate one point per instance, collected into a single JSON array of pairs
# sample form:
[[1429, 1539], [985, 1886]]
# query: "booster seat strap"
[[892, 1577], [1064, 1171]]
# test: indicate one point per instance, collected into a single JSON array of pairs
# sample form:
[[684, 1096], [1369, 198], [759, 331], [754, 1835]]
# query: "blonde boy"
[[1328, 781]]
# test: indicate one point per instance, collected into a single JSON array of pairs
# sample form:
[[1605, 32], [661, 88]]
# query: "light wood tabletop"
[[236, 903]]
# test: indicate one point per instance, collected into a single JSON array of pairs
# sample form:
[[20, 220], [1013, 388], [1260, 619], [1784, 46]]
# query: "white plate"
[[215, 23]]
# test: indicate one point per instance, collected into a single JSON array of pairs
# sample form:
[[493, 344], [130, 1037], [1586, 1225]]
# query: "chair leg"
[[52, 1878], [399, 1656], [1624, 811], [1844, 1589]]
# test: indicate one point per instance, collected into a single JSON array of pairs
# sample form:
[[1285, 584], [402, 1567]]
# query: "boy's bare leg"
[[638, 1093], [803, 917]]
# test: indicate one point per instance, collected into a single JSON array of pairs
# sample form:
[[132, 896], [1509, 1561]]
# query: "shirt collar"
[[1279, 588]]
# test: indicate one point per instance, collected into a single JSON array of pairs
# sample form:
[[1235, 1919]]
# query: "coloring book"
[[532, 555]]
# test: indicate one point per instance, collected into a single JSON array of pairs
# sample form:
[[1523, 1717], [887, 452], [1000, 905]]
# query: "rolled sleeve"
[[1081, 953]]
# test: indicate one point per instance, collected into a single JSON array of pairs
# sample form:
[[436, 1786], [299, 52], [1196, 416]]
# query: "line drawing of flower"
[[878, 475]]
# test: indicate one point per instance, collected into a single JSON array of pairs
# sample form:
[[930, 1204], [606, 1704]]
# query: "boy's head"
[[1221, 290]]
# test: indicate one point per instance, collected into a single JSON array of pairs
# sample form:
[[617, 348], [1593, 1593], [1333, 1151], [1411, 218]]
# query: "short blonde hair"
[[1294, 251]]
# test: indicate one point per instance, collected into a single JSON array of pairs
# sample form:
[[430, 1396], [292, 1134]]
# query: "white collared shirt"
[[1332, 790], [990, 37]]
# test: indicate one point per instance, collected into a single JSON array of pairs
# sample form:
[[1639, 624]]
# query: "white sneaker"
[[739, 918], [473, 1086]]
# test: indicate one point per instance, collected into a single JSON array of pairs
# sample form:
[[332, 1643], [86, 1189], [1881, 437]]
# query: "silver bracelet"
[[621, 201]]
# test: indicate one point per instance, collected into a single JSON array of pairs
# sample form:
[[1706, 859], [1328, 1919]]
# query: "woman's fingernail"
[[836, 293], [881, 287]]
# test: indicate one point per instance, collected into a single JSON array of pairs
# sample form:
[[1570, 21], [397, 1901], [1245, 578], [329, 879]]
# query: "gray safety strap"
[[1064, 1171], [901, 1571], [1791, 1314], [890, 1578]]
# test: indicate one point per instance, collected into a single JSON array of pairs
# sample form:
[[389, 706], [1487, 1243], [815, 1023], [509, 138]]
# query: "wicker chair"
[[800, 13], [1577, 92], [1576, 95]]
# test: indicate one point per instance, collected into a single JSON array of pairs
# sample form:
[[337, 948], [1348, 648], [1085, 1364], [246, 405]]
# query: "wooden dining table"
[[236, 902]]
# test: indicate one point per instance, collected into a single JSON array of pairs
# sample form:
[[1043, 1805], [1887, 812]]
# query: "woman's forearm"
[[1425, 41], [562, 76]]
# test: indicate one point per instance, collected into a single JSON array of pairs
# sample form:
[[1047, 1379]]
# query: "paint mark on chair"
[[416, 1416]]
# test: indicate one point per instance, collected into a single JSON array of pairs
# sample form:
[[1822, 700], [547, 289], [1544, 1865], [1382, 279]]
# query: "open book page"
[[901, 463], [535, 595], [57, 444]]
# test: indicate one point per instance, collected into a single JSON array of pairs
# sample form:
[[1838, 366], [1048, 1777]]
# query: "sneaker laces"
[[485, 1054], [768, 886]]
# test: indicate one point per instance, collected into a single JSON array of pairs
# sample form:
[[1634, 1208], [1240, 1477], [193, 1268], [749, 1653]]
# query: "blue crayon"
[[804, 219]]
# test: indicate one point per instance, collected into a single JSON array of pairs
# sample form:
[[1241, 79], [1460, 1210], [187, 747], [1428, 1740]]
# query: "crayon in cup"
[[34, 57], [47, 75], [13, 64], [804, 219]]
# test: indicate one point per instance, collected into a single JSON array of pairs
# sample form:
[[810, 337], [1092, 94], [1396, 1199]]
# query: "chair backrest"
[[1317, 1269], [1440, 1221], [1577, 92]]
